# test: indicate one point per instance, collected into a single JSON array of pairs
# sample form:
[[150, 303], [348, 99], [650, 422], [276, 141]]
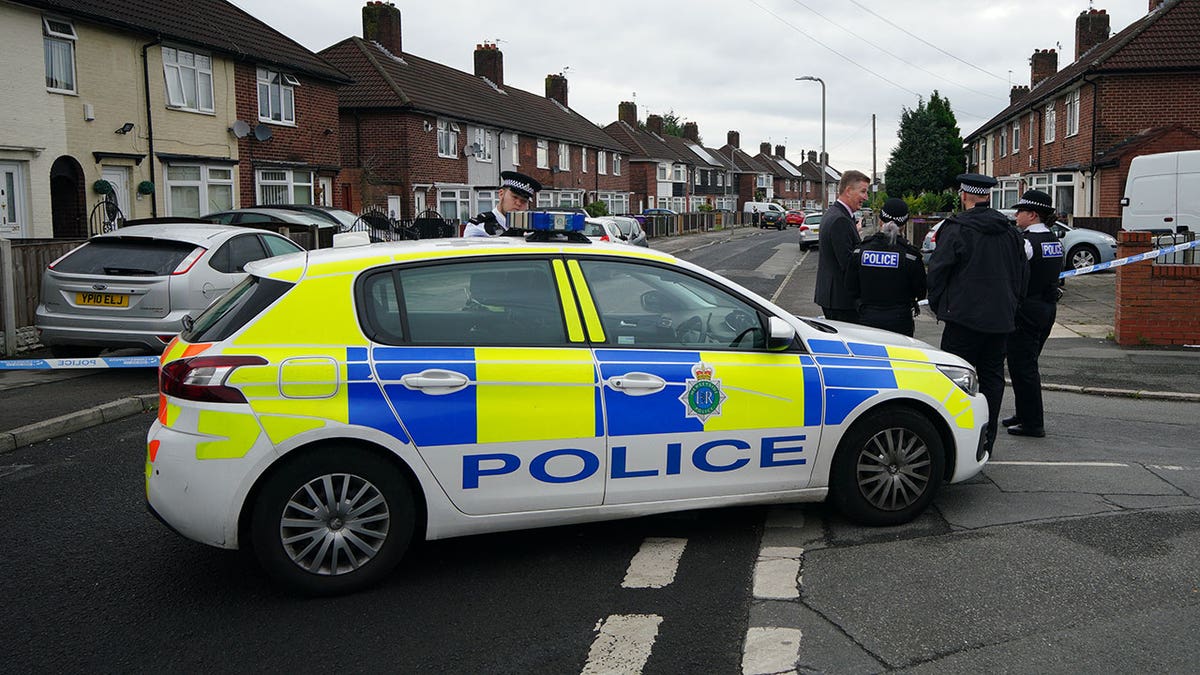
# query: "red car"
[[794, 218]]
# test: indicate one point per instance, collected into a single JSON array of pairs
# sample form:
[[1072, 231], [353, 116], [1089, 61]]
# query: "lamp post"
[[824, 194]]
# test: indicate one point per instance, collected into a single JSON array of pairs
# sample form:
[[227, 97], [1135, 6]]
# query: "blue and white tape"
[[1155, 253], [97, 362]]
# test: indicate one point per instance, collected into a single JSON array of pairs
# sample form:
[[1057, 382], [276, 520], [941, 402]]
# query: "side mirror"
[[780, 333]]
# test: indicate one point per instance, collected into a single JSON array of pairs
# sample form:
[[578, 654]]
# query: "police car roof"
[[353, 258]]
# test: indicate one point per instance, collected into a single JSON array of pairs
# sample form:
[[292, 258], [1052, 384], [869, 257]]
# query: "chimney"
[[779, 152], [627, 113], [556, 89], [1043, 64], [764, 149], [812, 156], [691, 132], [1016, 94], [489, 63], [381, 23], [654, 124], [1091, 28], [734, 138]]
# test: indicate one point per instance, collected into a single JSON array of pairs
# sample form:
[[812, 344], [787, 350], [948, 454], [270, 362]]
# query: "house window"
[[617, 202], [663, 170], [572, 199], [1073, 113], [1004, 142], [483, 139], [447, 138], [276, 96], [720, 179], [680, 173], [1029, 140], [602, 162], [485, 200], [59, 46], [543, 154], [616, 164], [696, 177], [1008, 194], [1016, 137], [544, 199], [454, 204], [516, 149], [1051, 121], [583, 159], [196, 189], [564, 157], [763, 181], [284, 186], [189, 79]]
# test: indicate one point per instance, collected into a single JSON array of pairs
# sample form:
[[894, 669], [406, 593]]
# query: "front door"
[[325, 191], [14, 212], [118, 178]]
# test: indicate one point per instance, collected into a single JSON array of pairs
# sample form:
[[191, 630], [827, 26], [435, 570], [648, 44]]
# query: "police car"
[[339, 404]]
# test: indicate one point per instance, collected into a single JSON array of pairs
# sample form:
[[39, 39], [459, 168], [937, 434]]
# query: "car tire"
[[887, 467], [1082, 255], [75, 351], [356, 549]]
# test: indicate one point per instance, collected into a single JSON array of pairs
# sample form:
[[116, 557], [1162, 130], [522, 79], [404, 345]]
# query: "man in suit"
[[839, 236]]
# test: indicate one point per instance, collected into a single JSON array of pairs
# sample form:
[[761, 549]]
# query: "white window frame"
[[602, 162], [696, 176], [1004, 141], [564, 157], [298, 185], [583, 158], [211, 176], [462, 203], [54, 34], [679, 173], [570, 198], [664, 171], [616, 164], [543, 153], [1016, 136], [447, 139], [270, 80], [516, 149], [192, 76], [1072, 106], [762, 181], [486, 200], [1029, 140], [1048, 129], [484, 138]]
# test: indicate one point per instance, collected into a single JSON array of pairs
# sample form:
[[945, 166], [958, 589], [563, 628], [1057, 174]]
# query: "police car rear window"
[[234, 309]]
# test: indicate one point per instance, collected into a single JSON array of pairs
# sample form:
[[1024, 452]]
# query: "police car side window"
[[644, 305]]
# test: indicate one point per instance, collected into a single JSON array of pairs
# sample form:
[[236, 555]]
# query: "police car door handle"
[[637, 384], [435, 381]]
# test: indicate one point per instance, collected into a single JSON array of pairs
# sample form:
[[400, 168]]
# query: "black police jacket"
[[1044, 266], [977, 274], [883, 274]]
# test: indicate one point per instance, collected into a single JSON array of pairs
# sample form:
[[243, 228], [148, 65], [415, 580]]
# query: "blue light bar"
[[541, 221]]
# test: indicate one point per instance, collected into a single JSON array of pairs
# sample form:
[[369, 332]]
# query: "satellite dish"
[[476, 148], [240, 129], [262, 132]]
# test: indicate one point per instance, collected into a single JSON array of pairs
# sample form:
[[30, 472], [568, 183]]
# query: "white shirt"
[[476, 230], [1036, 227]]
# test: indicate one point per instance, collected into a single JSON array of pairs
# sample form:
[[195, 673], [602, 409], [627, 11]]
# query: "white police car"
[[338, 403]]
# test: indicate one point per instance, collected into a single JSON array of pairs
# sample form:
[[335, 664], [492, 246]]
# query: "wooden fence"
[[22, 262]]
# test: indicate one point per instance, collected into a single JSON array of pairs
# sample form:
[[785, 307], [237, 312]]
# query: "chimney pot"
[[734, 139], [654, 124], [627, 113], [1091, 29], [691, 132], [779, 151], [556, 88], [381, 24], [489, 63], [1043, 64]]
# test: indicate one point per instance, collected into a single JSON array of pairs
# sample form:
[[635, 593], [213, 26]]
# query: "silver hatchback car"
[[133, 287]]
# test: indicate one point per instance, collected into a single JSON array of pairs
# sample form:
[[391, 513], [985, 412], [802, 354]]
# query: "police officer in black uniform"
[[516, 192], [885, 274], [977, 275], [1035, 314]]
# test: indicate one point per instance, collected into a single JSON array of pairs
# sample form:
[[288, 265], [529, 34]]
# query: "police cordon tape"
[[152, 361]]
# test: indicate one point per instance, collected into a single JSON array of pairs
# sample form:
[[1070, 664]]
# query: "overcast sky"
[[732, 64]]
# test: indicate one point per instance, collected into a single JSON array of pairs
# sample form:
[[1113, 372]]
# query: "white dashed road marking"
[[1099, 464], [770, 650], [777, 573], [623, 644], [655, 564]]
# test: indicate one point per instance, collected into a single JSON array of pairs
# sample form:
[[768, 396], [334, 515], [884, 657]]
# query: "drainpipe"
[[150, 121], [1092, 167]]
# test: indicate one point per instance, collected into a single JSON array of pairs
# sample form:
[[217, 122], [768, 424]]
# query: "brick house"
[[787, 177], [659, 170], [755, 181], [172, 79], [418, 135], [1073, 132], [711, 180]]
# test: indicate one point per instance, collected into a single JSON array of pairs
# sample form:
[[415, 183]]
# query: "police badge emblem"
[[702, 396]]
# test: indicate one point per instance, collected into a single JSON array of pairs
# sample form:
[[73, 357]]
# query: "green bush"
[[596, 209]]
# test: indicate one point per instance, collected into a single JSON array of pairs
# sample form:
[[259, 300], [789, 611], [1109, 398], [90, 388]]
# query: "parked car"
[[637, 384], [930, 241], [794, 217], [345, 220], [773, 219], [810, 231], [631, 230], [659, 212], [133, 287], [299, 223], [602, 230]]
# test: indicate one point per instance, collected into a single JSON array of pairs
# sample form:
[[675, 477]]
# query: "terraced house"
[[168, 108], [1074, 131], [418, 135]]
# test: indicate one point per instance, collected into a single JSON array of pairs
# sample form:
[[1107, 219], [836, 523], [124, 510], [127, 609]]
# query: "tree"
[[929, 153], [672, 124]]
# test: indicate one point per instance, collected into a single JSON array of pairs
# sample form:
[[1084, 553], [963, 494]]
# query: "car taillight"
[[186, 264], [604, 237], [203, 378], [803, 228]]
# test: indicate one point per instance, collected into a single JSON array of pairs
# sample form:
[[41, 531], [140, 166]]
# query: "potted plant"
[[102, 187], [145, 188]]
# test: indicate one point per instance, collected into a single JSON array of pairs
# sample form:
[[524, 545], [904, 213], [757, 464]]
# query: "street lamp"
[[824, 194]]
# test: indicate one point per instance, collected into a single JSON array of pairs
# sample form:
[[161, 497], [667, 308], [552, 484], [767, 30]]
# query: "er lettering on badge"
[[881, 259]]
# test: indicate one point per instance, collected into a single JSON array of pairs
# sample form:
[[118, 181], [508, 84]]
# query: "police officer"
[[1035, 314], [516, 191], [885, 275], [977, 275]]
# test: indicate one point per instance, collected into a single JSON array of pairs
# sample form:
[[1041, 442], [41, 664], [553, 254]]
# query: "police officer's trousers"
[[896, 318], [1035, 319], [985, 351]]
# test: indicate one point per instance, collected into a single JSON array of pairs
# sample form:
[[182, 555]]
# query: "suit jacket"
[[839, 236]]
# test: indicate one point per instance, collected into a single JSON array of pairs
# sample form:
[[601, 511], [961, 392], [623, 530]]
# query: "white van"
[[762, 207], [1162, 193]]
